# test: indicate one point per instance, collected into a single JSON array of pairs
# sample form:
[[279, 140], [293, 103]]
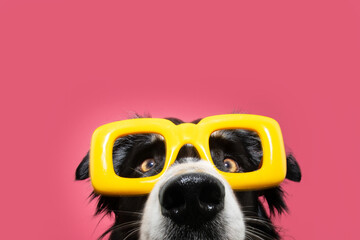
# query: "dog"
[[192, 200]]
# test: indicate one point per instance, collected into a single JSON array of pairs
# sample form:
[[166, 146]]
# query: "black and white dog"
[[192, 201]]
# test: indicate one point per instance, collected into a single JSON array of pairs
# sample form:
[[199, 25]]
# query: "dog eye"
[[230, 165], [147, 165]]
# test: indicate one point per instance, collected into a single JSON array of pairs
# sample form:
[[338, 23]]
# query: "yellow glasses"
[[270, 172]]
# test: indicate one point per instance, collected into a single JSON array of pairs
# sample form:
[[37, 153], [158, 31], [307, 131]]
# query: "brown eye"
[[230, 165], [147, 165]]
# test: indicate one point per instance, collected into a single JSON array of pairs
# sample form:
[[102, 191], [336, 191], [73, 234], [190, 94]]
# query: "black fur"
[[241, 144]]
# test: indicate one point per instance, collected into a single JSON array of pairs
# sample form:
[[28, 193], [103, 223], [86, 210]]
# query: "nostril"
[[172, 198], [192, 198], [211, 195]]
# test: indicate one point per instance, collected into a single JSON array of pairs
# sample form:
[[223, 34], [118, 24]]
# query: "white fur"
[[152, 225]]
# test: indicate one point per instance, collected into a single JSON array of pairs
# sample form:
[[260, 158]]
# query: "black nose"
[[192, 199]]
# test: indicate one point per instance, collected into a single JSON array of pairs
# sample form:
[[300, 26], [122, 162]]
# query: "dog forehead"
[[190, 165]]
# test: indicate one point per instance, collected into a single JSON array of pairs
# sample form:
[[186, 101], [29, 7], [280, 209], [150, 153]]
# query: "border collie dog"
[[192, 201]]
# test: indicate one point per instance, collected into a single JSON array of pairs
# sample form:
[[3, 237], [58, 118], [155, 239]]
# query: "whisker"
[[258, 232], [125, 225], [258, 220], [129, 212], [121, 226], [135, 230], [252, 234]]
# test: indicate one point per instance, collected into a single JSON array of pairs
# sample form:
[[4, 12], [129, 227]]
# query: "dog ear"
[[82, 171], [275, 196], [293, 170]]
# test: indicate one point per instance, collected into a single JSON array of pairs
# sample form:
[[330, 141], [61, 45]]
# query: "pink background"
[[67, 67]]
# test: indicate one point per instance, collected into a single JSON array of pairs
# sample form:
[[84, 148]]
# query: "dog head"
[[191, 200]]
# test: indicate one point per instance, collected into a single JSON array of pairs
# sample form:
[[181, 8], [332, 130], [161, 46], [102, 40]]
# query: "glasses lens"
[[236, 150], [139, 155]]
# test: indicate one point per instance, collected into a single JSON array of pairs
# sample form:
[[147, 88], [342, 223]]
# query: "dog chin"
[[228, 224]]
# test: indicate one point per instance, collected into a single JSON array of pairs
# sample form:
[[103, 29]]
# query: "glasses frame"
[[105, 181]]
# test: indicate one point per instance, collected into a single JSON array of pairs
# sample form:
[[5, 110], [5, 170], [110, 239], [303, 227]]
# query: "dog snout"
[[192, 199]]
